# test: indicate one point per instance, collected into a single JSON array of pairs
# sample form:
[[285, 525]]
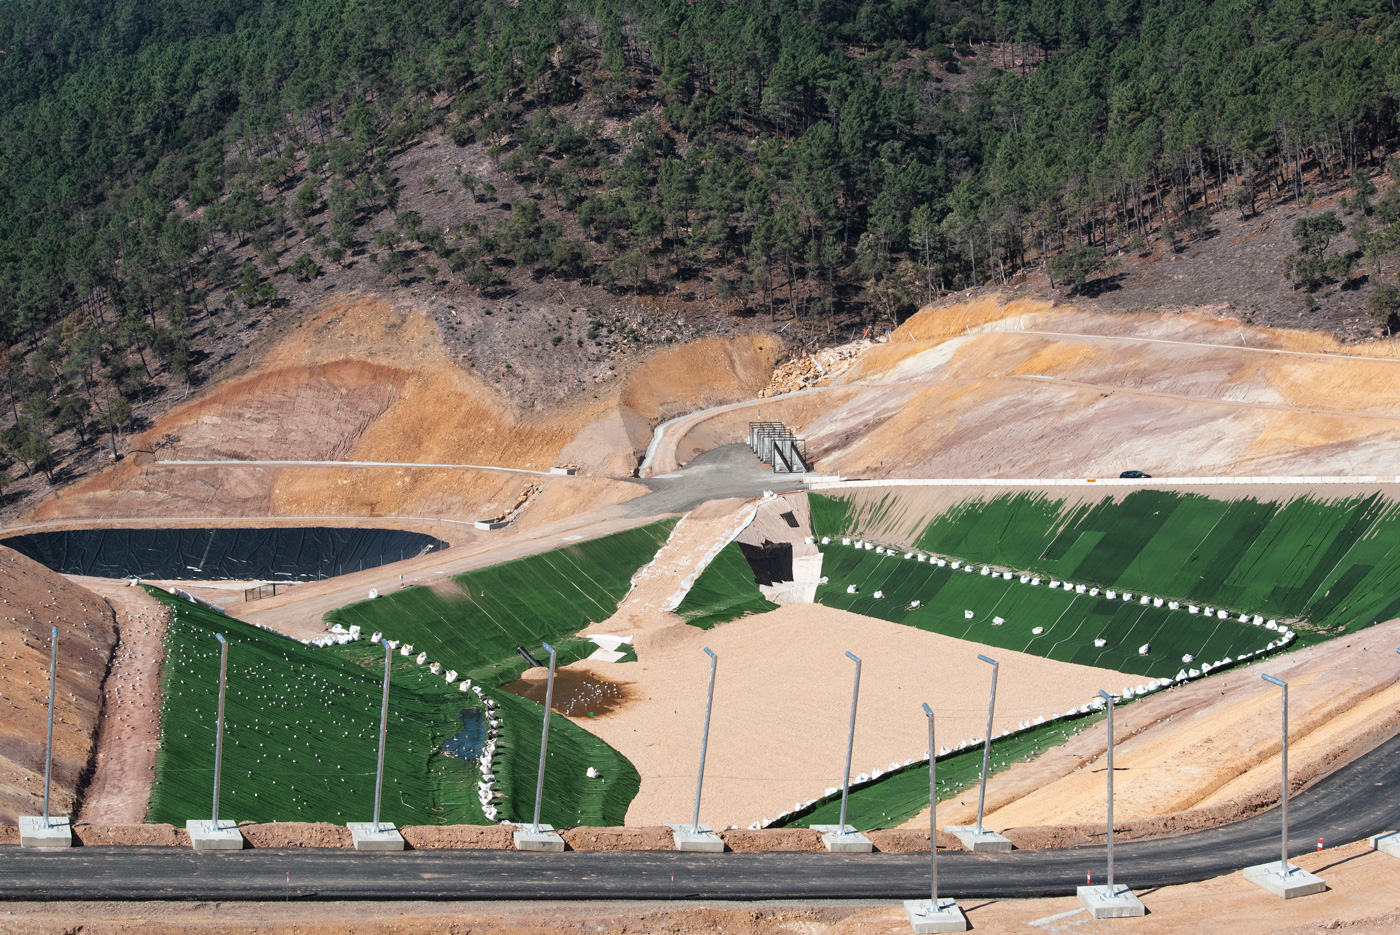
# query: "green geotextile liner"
[[1328, 564], [1069, 622], [571, 799], [724, 591], [301, 730], [901, 794], [475, 628]]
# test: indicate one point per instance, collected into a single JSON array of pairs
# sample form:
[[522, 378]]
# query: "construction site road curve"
[[1356, 801]]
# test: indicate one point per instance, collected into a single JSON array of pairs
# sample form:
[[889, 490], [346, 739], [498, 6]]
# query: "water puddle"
[[576, 694], [468, 743]]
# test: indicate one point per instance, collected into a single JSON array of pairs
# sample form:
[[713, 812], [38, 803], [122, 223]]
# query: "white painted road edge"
[[818, 483], [362, 464]]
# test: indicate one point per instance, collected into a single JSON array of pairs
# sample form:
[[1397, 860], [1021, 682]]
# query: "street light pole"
[[1109, 698], [987, 743], [937, 915], [932, 810], [704, 741], [1283, 791], [544, 738], [48, 746], [383, 729], [219, 725], [850, 745]]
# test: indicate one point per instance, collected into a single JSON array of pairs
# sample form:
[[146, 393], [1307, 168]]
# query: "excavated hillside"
[[1022, 388], [32, 600], [362, 381]]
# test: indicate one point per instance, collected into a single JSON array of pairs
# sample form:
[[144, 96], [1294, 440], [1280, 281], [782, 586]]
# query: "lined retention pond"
[[222, 554]]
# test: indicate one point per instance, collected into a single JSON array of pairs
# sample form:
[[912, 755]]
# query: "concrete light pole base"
[[844, 839], [927, 920], [1120, 904], [1298, 882], [33, 832], [369, 838], [542, 838], [703, 839], [978, 841], [205, 835], [1388, 843]]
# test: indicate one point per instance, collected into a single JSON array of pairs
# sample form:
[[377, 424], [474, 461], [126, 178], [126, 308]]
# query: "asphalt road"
[[1357, 801], [726, 471]]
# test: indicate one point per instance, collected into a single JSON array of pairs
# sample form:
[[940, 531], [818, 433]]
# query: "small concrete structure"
[[978, 841], [1388, 843], [927, 920], [207, 835], [564, 471], [844, 839], [1298, 882], [491, 524], [540, 838], [34, 833], [1120, 904], [369, 838], [702, 839]]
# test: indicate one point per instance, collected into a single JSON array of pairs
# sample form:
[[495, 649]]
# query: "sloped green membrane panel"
[[724, 591], [476, 627], [302, 730], [1070, 622], [313, 713], [902, 794], [1326, 564], [1323, 565], [526, 602]]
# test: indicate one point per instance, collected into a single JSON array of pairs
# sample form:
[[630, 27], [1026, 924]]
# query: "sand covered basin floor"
[[782, 704]]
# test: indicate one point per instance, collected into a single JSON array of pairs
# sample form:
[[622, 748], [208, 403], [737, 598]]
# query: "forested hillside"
[[174, 173]]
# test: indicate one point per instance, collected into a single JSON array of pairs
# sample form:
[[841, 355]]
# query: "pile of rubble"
[[800, 373]]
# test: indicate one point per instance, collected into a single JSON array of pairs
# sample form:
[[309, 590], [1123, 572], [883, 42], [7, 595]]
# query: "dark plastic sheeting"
[[284, 554], [771, 562]]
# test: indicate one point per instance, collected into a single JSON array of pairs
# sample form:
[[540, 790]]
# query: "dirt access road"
[[722, 474]]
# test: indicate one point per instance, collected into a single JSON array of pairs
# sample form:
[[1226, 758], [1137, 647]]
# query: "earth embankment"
[[32, 601], [1021, 388], [361, 381]]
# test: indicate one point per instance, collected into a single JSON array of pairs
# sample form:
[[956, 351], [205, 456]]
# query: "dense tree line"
[[789, 155]]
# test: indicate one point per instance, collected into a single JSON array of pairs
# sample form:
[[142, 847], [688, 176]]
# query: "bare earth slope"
[[1019, 388], [32, 600], [1210, 746], [360, 381]]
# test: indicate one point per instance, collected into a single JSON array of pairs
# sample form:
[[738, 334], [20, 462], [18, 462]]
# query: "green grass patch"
[[724, 591], [301, 730], [901, 794]]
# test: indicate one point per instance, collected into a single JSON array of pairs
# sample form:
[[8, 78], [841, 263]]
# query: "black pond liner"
[[228, 554], [471, 739]]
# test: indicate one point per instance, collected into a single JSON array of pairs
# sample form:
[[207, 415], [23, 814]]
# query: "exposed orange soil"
[[702, 374], [365, 382], [1025, 389], [1211, 745], [32, 600], [129, 733]]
